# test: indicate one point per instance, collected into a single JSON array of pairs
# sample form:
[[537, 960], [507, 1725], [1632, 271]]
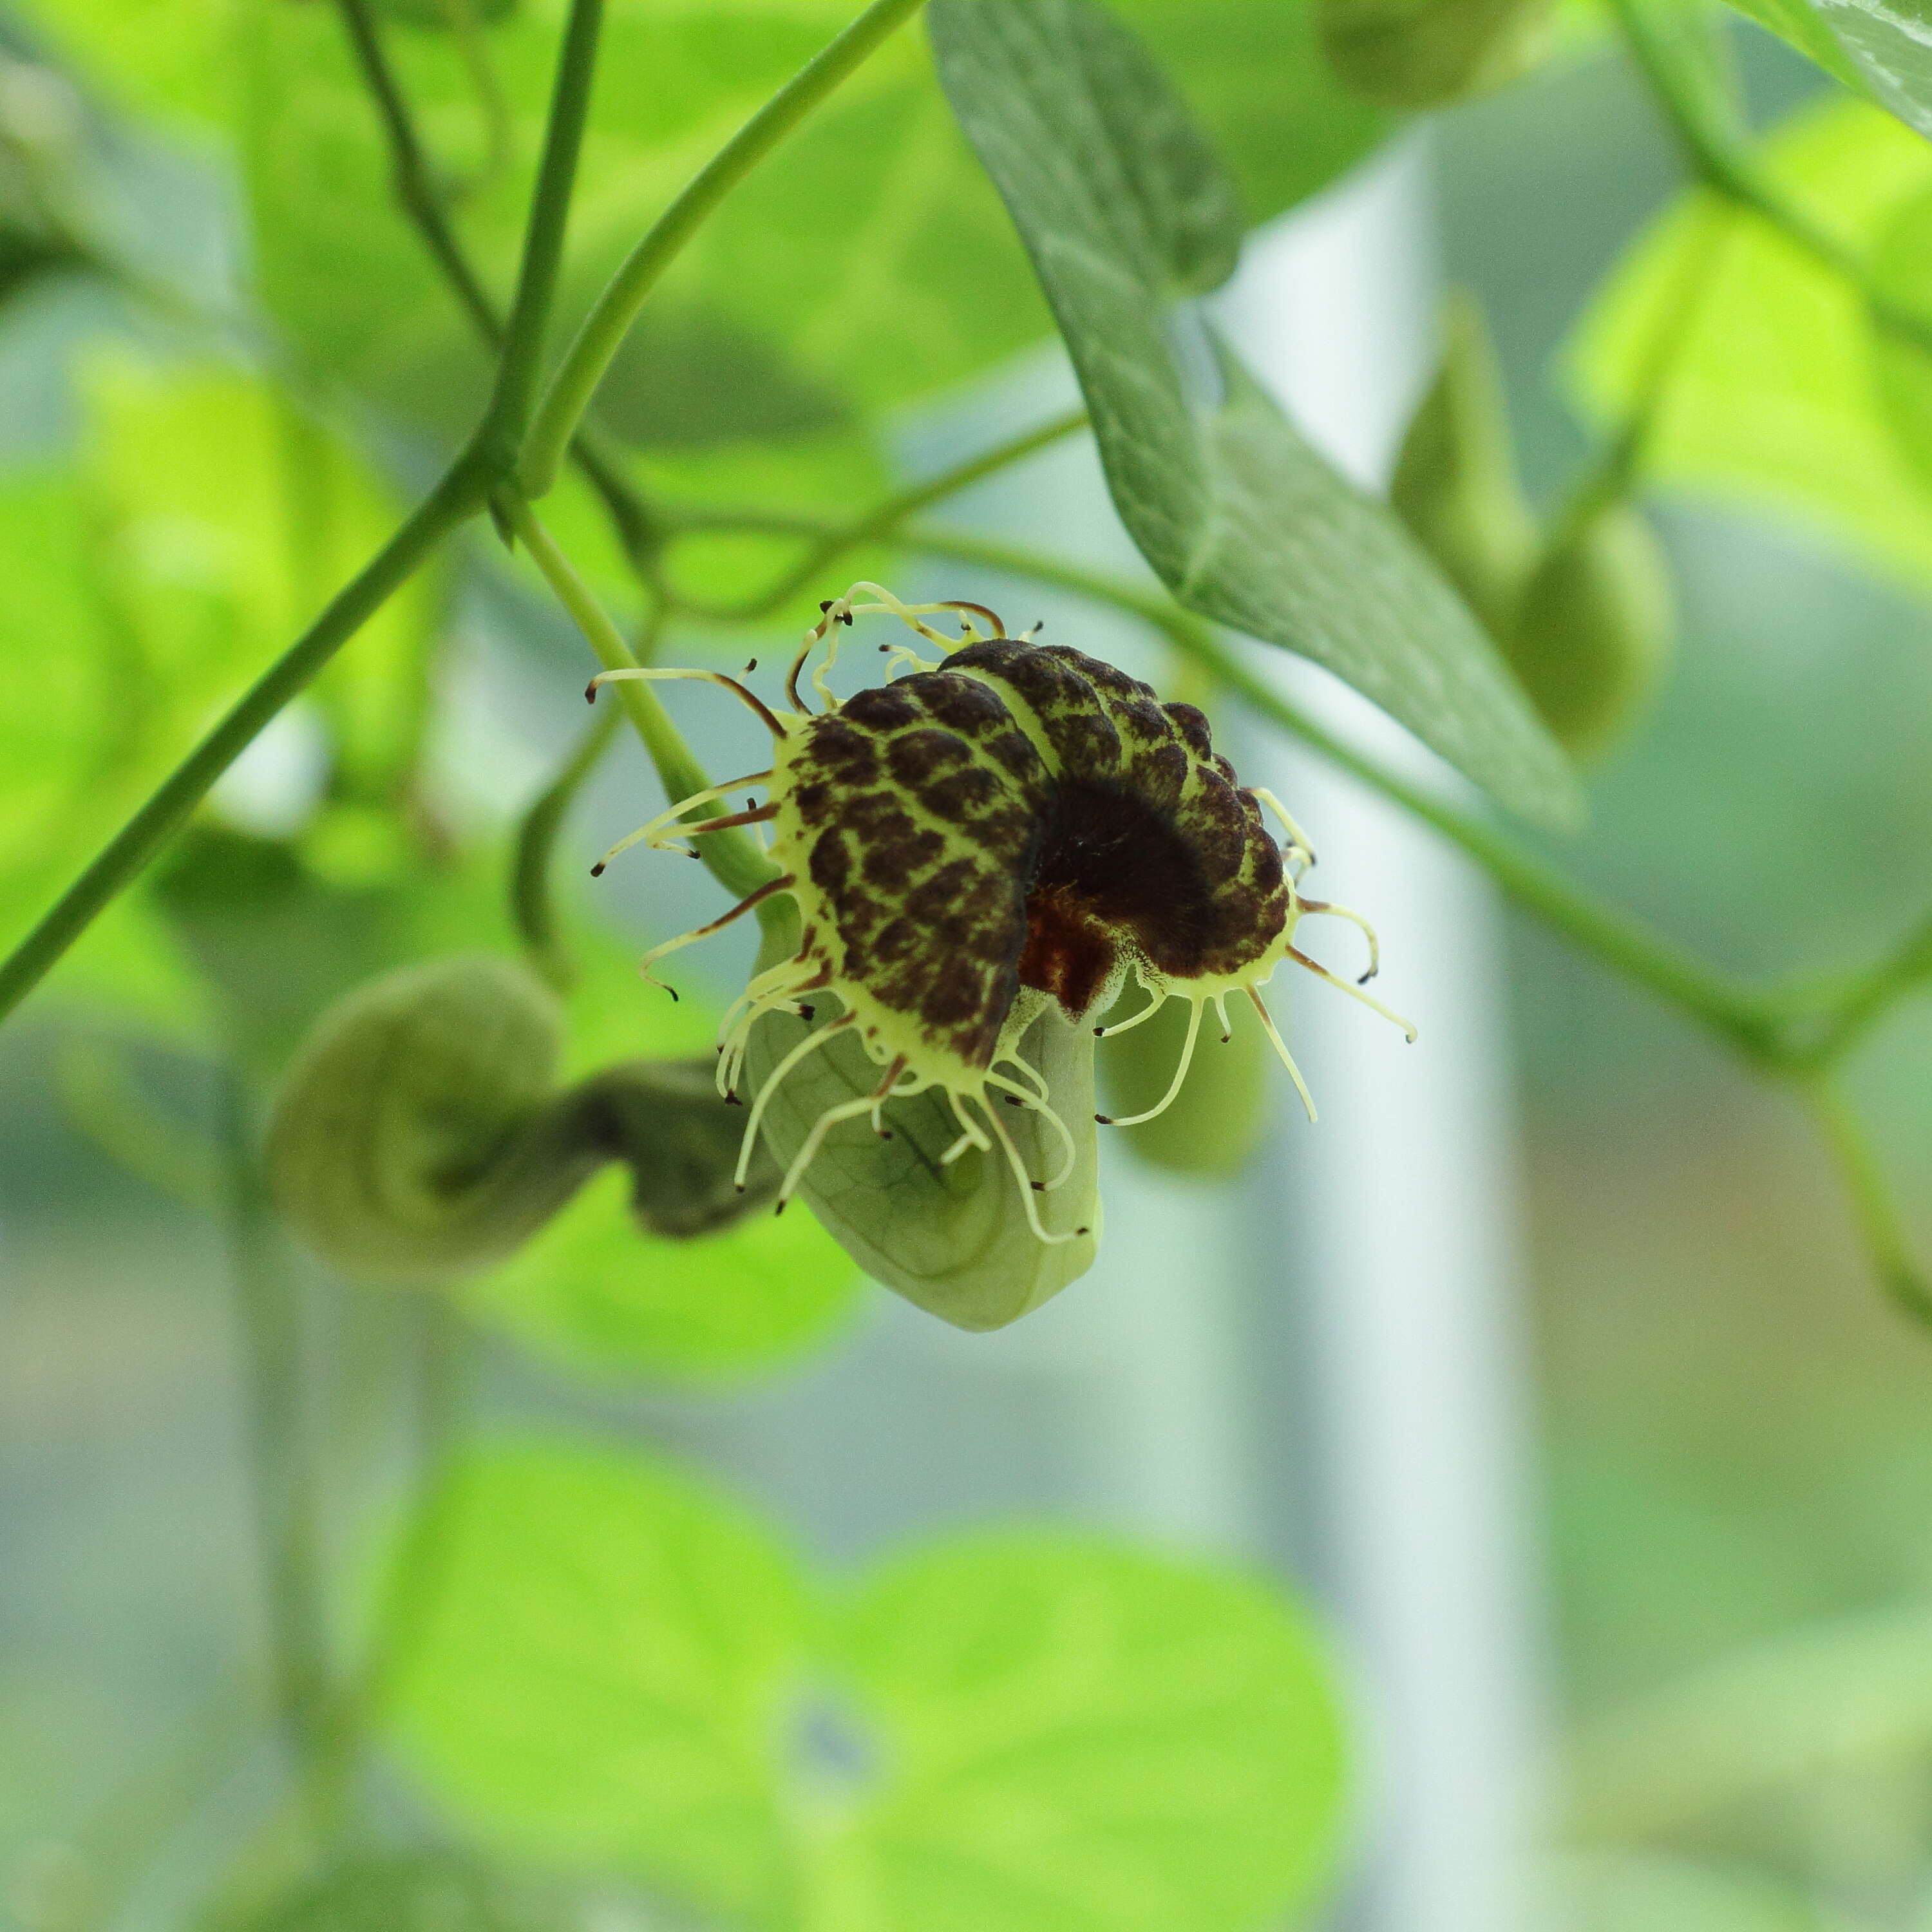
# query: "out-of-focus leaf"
[[596, 1292], [1037, 1733], [1076, 1732], [165, 58], [684, 378], [603, 1671], [1216, 1121], [1772, 400], [870, 258], [839, 470], [1902, 272], [205, 522], [442, 17], [1889, 43], [240, 517], [1126, 211], [412, 1891]]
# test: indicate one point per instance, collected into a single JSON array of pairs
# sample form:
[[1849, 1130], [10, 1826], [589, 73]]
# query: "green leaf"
[[206, 519], [595, 1292], [1125, 211], [869, 262], [413, 1891], [1039, 1733], [603, 1670], [1772, 401], [1889, 43], [1802, 26], [1901, 271], [1083, 1733]]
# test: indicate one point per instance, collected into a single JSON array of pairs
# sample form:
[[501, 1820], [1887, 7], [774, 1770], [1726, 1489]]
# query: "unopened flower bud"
[[1456, 484], [419, 1135], [1428, 53], [1593, 632]]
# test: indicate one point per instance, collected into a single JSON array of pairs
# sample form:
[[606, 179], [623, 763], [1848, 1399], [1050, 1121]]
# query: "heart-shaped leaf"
[[1042, 1733]]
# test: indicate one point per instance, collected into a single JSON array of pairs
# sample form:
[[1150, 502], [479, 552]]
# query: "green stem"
[[1720, 157], [532, 908], [610, 319], [269, 1317], [412, 177], [508, 417], [734, 861], [1859, 1004], [465, 489], [461, 494], [1874, 1206], [885, 516]]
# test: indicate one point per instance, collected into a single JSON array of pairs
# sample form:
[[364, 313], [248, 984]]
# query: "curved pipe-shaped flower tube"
[[419, 1133]]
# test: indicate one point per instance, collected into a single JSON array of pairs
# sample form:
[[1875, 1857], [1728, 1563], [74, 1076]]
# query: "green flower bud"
[[1456, 484], [1215, 1122], [1593, 632], [418, 1134], [1428, 53]]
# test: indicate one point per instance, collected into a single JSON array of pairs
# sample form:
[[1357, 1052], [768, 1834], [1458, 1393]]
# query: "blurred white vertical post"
[[1396, 1217]]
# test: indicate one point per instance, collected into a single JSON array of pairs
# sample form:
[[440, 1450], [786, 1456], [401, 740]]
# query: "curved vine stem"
[[885, 517], [418, 195], [532, 908], [610, 317], [1874, 1206], [733, 860]]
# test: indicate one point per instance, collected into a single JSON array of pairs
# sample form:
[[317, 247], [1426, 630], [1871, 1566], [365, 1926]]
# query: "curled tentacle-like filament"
[[647, 834], [639, 674], [1174, 1086], [1355, 919], [782, 884]]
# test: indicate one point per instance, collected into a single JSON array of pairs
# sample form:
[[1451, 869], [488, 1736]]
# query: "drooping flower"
[[1015, 828]]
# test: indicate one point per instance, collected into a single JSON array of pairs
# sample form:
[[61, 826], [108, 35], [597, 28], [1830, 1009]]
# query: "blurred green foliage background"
[[1736, 1447]]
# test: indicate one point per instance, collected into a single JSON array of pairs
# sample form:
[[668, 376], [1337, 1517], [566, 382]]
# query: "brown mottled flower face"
[[1018, 825], [1027, 819]]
